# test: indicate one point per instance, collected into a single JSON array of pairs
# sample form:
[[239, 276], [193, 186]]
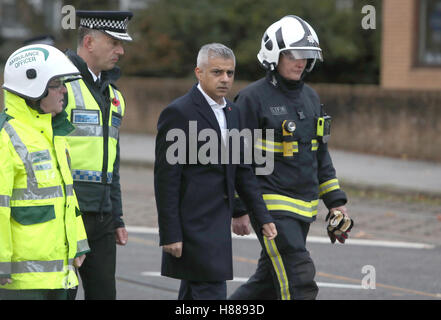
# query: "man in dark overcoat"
[[195, 184]]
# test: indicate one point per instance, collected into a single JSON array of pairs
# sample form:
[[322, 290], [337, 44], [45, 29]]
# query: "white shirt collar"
[[94, 76], [210, 101]]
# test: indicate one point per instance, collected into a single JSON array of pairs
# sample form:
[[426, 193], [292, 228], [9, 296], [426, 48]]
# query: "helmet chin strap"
[[303, 75], [308, 69], [311, 65]]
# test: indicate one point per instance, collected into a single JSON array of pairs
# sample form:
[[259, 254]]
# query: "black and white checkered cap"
[[114, 23]]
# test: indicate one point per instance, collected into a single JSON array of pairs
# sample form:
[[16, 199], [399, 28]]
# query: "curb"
[[137, 163], [390, 190]]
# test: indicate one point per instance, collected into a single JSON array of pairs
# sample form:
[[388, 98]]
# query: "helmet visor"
[[297, 54], [71, 78], [58, 81]]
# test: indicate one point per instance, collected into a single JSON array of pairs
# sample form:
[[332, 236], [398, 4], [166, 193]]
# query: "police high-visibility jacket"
[[41, 229], [96, 114], [305, 173]]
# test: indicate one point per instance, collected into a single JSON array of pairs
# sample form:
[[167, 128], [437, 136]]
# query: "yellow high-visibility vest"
[[87, 140], [41, 229]]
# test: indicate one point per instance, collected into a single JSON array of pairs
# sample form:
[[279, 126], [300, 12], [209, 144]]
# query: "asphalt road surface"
[[393, 253], [389, 272]]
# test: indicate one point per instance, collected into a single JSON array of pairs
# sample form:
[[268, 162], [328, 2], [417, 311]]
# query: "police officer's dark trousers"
[[285, 269], [98, 269]]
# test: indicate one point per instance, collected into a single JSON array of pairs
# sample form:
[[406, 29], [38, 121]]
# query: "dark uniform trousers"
[[197, 290], [285, 270], [98, 269]]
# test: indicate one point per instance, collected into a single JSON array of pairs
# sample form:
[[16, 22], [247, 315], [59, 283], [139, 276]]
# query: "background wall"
[[366, 118]]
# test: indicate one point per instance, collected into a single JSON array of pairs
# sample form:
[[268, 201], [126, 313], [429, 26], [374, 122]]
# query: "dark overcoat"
[[195, 200]]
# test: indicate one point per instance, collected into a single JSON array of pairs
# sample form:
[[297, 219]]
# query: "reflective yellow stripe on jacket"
[[271, 146], [328, 186], [314, 145], [283, 203]]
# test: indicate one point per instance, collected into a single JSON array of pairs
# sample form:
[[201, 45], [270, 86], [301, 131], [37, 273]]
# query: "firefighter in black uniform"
[[303, 170]]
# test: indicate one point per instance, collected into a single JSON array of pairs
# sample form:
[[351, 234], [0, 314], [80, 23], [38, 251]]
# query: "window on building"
[[430, 33]]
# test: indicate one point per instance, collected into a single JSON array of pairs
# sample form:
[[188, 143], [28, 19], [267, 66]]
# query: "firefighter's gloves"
[[338, 226]]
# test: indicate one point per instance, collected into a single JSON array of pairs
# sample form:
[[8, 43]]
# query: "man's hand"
[[121, 236], [78, 261], [4, 281], [175, 249], [241, 225], [269, 230]]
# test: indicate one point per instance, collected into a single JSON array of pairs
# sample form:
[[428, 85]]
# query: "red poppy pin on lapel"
[[115, 102]]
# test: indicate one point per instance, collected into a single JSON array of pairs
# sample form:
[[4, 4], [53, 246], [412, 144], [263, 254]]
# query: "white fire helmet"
[[29, 69], [292, 34]]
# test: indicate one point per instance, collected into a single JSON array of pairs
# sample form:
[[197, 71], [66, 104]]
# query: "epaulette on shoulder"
[[3, 118]]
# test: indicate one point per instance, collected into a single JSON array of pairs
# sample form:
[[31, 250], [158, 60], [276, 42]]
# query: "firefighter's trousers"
[[285, 269]]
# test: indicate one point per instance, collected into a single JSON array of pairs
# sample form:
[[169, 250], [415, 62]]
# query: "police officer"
[[96, 108], [42, 236], [303, 170]]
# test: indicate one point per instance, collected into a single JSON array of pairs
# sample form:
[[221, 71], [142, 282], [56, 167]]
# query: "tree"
[[169, 33]]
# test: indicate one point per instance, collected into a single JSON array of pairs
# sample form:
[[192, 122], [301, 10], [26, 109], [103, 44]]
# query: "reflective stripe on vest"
[[86, 116], [328, 186], [115, 94], [5, 201], [277, 202], [5, 267], [37, 266], [33, 266], [90, 176], [32, 192], [84, 130]]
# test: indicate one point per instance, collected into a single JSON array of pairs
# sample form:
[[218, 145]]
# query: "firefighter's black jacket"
[[298, 181]]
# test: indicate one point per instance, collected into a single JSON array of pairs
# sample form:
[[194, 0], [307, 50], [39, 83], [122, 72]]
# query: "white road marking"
[[242, 280], [311, 239]]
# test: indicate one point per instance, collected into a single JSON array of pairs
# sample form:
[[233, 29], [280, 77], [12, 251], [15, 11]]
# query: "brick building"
[[411, 44]]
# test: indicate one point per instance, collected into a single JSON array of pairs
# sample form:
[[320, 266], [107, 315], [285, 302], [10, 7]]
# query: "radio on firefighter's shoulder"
[[324, 128]]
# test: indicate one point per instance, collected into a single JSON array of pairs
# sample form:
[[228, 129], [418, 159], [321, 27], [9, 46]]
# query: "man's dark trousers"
[[197, 290], [98, 270]]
